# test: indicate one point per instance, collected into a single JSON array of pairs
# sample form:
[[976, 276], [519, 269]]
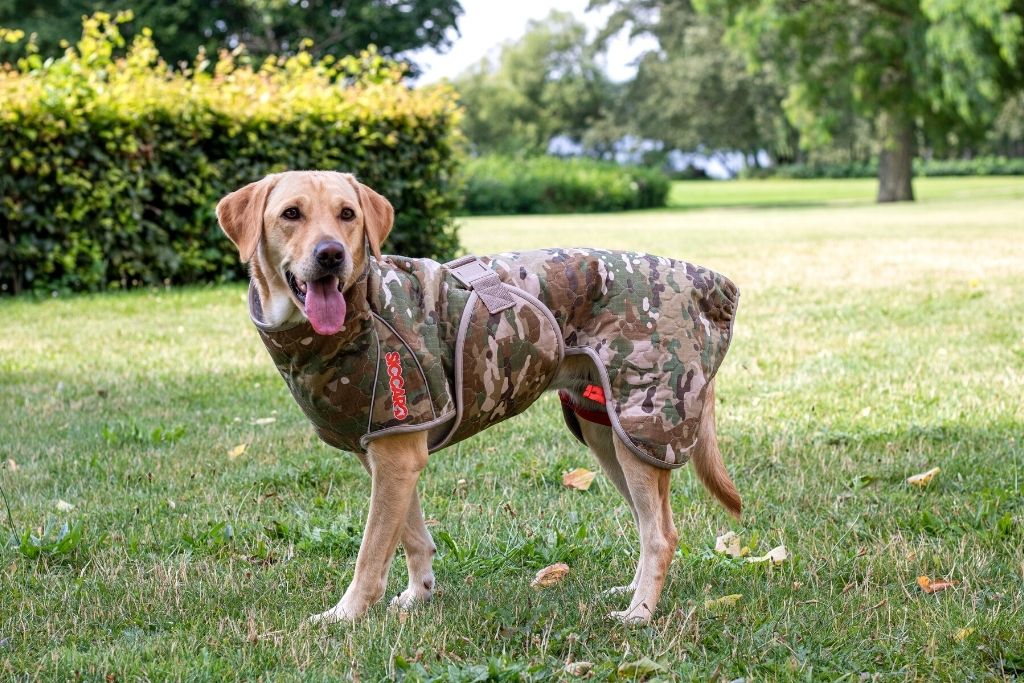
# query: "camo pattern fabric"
[[657, 328], [419, 351], [393, 366]]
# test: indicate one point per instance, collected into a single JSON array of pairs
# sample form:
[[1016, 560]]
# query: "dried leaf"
[[579, 668], [64, 506], [718, 604], [11, 465], [929, 586], [776, 555], [580, 478], [728, 543], [237, 451], [550, 575], [264, 420], [924, 478], [962, 634]]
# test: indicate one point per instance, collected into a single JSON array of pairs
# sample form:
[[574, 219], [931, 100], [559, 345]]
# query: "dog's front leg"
[[395, 463], [419, 556]]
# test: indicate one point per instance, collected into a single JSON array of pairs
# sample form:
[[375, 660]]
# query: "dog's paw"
[[338, 613], [411, 597], [638, 616]]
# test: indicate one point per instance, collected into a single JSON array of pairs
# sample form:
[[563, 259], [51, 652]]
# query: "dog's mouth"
[[322, 301]]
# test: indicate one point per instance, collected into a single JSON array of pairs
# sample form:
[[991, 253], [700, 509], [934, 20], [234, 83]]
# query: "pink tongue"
[[325, 306]]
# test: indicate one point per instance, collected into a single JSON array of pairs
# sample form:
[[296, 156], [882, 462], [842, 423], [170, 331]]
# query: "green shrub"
[[503, 185], [869, 169], [112, 165], [976, 166]]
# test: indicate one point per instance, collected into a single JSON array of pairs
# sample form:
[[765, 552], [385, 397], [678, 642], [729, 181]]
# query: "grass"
[[873, 342]]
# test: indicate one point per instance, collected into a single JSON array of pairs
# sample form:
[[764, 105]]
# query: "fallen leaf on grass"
[[729, 544], [929, 586], [924, 478], [962, 634], [640, 669], [579, 668], [237, 451], [11, 465], [580, 478], [264, 420], [776, 555], [550, 575], [718, 604], [64, 506]]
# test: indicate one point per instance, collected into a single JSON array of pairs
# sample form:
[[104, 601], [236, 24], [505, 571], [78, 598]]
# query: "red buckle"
[[594, 393]]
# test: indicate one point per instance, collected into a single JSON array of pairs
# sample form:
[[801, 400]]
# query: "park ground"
[[872, 343]]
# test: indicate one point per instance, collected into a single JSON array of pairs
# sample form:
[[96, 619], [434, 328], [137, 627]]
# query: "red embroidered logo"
[[594, 393], [400, 409]]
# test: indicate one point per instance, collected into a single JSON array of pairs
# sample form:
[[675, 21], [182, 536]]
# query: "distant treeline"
[[807, 84]]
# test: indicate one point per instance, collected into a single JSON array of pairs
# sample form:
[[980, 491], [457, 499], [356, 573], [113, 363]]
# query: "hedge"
[[503, 185], [112, 163], [979, 166]]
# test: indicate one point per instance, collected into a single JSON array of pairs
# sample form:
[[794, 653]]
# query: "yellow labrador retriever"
[[308, 237]]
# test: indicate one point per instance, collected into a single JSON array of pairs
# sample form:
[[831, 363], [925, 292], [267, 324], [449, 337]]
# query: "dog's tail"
[[707, 459]]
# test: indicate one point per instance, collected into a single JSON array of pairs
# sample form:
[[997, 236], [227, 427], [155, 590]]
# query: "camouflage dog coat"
[[453, 349]]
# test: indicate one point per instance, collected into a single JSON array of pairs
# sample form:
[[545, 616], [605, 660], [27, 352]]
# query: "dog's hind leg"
[[649, 490], [419, 556], [599, 440]]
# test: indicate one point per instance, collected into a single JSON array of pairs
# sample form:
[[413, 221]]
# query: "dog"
[[311, 238]]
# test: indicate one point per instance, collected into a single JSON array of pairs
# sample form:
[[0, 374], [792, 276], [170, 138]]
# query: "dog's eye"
[[347, 214], [291, 214]]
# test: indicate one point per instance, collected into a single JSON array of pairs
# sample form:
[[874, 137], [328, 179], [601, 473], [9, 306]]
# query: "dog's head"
[[304, 234]]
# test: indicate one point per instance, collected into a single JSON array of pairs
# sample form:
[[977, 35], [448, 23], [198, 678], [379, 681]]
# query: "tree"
[[266, 27], [692, 92], [544, 85], [937, 67]]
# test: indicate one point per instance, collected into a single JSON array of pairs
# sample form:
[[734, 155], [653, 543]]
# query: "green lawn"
[[873, 342]]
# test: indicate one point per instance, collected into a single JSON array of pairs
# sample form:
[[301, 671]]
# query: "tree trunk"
[[896, 160]]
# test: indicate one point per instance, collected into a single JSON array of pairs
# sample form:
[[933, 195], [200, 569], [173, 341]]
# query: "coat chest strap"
[[477, 276]]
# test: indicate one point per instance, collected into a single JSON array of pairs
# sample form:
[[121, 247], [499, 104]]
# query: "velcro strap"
[[477, 276]]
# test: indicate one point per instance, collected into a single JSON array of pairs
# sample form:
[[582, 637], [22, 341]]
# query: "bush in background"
[[111, 166], [505, 185], [978, 166]]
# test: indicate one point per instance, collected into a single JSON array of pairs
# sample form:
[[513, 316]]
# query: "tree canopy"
[[266, 27], [691, 92], [939, 67], [544, 85]]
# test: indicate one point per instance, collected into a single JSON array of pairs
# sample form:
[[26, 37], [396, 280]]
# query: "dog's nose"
[[329, 254]]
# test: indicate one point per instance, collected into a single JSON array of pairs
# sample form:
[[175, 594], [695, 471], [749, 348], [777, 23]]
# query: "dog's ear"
[[240, 215], [378, 217]]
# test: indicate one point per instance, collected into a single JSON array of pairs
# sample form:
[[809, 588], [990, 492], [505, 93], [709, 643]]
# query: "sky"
[[486, 24]]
